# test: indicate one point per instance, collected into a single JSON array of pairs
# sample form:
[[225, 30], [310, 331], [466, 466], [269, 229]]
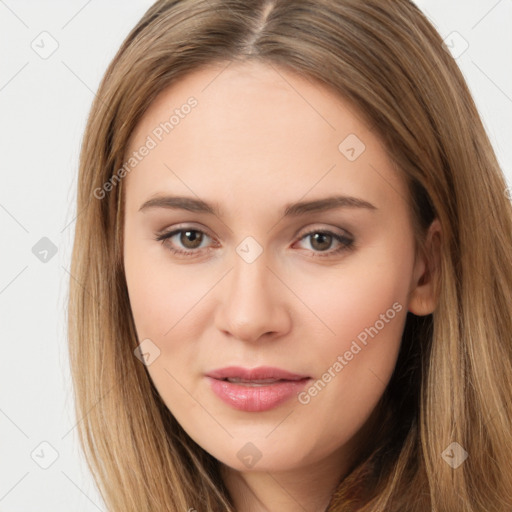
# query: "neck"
[[307, 488]]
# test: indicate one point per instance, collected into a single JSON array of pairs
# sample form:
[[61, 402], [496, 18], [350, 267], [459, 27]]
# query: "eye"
[[322, 240], [191, 239]]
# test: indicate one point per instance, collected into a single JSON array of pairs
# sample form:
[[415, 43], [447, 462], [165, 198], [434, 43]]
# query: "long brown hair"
[[453, 380]]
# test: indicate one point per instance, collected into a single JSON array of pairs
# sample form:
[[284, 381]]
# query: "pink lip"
[[255, 398]]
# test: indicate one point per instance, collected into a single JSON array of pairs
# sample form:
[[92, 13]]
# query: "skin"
[[257, 140]]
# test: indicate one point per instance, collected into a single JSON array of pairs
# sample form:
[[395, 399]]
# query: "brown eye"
[[191, 239], [321, 241], [184, 241]]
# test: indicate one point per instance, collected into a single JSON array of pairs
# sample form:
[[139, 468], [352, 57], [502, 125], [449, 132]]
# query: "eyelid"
[[184, 227], [318, 227]]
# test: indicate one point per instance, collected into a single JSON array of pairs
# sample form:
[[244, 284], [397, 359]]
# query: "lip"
[[261, 372], [254, 397]]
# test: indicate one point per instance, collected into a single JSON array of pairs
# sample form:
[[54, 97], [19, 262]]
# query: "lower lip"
[[256, 398]]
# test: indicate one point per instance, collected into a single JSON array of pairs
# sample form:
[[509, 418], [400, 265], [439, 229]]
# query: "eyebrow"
[[291, 210]]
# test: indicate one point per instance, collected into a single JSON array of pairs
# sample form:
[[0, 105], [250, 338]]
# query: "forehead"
[[254, 131]]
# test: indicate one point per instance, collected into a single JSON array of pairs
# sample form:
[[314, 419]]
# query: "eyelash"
[[346, 242]]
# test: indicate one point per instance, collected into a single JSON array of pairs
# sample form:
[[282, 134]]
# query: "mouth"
[[257, 382], [255, 390]]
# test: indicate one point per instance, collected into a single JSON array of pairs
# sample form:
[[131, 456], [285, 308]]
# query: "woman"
[[292, 270]]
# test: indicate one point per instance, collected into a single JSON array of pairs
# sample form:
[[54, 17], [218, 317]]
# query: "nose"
[[252, 302]]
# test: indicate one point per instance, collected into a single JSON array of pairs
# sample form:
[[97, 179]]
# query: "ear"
[[423, 296]]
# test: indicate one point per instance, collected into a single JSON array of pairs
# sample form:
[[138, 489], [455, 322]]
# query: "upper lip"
[[259, 373]]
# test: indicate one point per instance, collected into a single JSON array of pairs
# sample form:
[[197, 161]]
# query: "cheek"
[[148, 297], [349, 298], [166, 303], [161, 293], [356, 296], [362, 313]]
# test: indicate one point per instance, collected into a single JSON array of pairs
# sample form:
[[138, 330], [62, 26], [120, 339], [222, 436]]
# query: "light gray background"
[[44, 104]]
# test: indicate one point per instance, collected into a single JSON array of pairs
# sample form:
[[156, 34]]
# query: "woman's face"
[[274, 268]]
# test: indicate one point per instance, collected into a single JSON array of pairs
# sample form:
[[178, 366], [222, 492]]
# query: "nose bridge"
[[249, 280], [251, 303]]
